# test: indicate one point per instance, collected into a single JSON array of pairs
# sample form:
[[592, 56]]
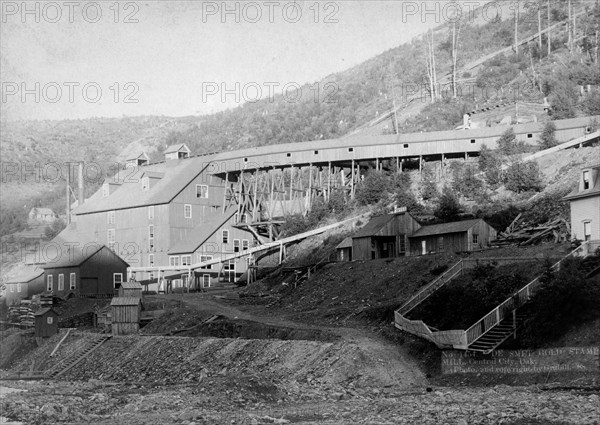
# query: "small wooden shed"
[[46, 323], [125, 312], [131, 289], [344, 250]]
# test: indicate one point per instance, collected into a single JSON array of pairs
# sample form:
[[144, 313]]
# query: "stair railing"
[[495, 316], [430, 288]]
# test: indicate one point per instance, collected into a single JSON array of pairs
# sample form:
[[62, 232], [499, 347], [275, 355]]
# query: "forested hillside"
[[346, 101]]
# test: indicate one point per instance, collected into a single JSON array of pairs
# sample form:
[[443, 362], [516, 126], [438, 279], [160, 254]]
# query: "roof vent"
[[179, 151]]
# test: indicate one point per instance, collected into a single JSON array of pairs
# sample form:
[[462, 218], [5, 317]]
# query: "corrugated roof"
[[374, 226], [346, 243], [444, 228], [177, 175], [201, 233], [139, 155], [131, 285], [125, 301]]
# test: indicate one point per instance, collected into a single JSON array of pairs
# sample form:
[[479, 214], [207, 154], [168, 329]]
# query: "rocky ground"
[[251, 401]]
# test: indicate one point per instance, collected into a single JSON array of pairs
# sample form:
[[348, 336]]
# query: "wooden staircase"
[[76, 357], [502, 331], [591, 265]]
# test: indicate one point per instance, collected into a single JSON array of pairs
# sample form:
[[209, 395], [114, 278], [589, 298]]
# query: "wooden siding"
[[93, 277], [454, 242], [398, 228], [130, 292], [28, 289], [582, 210], [42, 328]]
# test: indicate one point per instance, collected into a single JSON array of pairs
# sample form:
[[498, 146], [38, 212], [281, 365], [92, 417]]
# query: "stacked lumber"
[[521, 232]]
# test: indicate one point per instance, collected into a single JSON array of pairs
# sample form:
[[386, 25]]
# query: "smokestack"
[[81, 199], [68, 193]]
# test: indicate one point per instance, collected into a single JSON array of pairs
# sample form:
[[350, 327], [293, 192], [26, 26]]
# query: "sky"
[[62, 60]]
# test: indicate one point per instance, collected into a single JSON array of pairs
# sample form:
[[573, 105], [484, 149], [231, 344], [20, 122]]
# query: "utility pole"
[[516, 6]]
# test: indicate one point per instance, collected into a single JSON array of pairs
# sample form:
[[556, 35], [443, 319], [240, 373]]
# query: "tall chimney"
[[81, 199]]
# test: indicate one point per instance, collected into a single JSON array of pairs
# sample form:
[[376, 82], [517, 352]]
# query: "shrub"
[[448, 207], [508, 145], [565, 299], [373, 188], [548, 136], [490, 163], [523, 177]]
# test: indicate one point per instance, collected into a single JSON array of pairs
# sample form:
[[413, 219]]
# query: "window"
[[117, 280], [472, 140], [475, 239], [245, 244], [586, 180], [441, 244], [174, 260], [151, 212], [350, 149], [12, 288], [72, 282], [145, 183], [529, 136], [206, 281], [151, 237], [402, 243], [110, 238], [406, 145], [201, 191], [225, 236], [204, 258], [186, 260], [288, 154], [18, 287], [49, 320], [187, 211], [61, 282], [236, 245], [245, 159], [110, 218], [151, 260], [587, 230], [105, 190], [49, 282], [316, 152]]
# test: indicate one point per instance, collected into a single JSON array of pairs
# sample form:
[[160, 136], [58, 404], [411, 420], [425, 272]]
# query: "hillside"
[[347, 101]]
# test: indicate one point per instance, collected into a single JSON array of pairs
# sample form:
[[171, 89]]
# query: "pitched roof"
[[73, 256], [346, 243], [176, 176], [444, 228], [125, 301], [131, 285], [43, 211], [177, 148], [592, 191], [44, 311], [374, 225], [22, 274], [142, 155], [201, 233]]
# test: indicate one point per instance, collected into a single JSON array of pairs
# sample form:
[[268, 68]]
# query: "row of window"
[[61, 282], [12, 287]]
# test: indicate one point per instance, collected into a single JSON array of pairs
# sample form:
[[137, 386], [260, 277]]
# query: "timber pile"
[[521, 232]]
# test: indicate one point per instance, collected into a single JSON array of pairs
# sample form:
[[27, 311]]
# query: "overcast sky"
[[163, 55]]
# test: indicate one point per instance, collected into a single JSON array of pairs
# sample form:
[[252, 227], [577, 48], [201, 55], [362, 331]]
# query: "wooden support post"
[[255, 200], [328, 181], [398, 170], [291, 183], [343, 179], [310, 187], [352, 182], [225, 192], [401, 165], [421, 165], [272, 194]]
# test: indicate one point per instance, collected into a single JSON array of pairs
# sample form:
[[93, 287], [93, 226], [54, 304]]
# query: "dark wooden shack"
[[457, 236], [94, 270], [131, 289], [344, 250], [384, 236], [46, 323], [125, 312]]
